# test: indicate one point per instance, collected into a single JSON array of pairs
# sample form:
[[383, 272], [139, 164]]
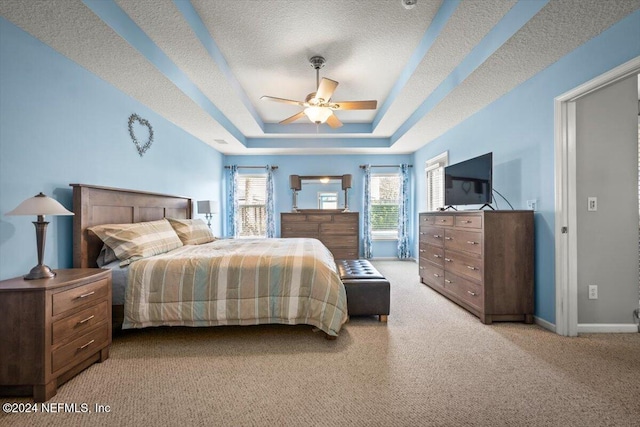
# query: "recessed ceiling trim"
[[125, 27], [439, 22], [195, 22], [511, 23], [318, 143], [310, 128]]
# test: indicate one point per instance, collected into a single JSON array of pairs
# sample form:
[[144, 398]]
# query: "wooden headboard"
[[95, 205]]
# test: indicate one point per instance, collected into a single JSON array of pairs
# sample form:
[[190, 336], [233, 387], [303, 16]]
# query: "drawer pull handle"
[[86, 320], [448, 238], [436, 274], [422, 250], [437, 256], [447, 280], [448, 259], [472, 242], [470, 267], [86, 345], [87, 294], [421, 268], [466, 222], [421, 233], [473, 294], [443, 220], [437, 236]]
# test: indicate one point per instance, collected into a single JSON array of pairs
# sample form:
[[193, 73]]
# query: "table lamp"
[[208, 208], [40, 205]]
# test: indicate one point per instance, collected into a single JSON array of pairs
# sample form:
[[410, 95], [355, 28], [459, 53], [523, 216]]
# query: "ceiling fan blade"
[[326, 88], [356, 105], [285, 101], [333, 121], [292, 118]]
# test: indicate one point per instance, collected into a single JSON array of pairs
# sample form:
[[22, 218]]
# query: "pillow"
[[106, 256], [138, 240], [192, 231]]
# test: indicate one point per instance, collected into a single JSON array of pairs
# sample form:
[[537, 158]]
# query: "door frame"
[[566, 246]]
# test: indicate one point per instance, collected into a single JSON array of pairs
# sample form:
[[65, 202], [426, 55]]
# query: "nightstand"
[[52, 329]]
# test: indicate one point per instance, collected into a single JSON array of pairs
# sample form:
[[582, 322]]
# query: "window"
[[385, 200], [252, 210], [327, 200], [435, 181]]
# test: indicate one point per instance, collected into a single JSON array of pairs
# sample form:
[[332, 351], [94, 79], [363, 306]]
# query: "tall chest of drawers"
[[52, 329], [337, 230], [482, 260]]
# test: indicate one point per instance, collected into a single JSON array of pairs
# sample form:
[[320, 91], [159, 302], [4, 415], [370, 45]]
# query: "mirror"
[[319, 192]]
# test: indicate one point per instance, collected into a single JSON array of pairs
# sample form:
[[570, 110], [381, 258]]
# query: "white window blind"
[[385, 201], [434, 171], [252, 211]]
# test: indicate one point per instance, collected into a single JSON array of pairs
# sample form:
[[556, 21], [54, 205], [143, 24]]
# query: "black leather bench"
[[368, 291]]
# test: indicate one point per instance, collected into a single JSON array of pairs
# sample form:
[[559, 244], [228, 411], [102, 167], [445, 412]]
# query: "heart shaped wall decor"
[[143, 122]]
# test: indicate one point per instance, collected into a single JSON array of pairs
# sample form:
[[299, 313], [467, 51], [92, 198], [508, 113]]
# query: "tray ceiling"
[[204, 65]]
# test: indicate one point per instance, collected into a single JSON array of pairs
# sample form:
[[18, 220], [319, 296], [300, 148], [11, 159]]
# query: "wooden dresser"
[[51, 329], [482, 260], [337, 230]]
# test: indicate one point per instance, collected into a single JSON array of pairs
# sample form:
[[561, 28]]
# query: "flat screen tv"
[[469, 182]]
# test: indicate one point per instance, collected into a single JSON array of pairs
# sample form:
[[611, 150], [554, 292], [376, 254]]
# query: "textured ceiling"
[[204, 64]]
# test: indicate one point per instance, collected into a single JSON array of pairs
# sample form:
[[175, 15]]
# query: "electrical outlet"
[[532, 204], [592, 205], [593, 291]]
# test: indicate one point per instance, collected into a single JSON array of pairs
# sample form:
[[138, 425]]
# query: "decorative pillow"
[[106, 256], [138, 240], [192, 231]]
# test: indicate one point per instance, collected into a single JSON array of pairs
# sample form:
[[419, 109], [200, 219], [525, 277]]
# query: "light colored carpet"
[[432, 364]]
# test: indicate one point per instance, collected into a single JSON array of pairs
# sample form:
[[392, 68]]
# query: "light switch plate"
[[592, 204]]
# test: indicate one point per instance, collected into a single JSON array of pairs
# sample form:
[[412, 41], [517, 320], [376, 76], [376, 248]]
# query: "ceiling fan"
[[318, 106]]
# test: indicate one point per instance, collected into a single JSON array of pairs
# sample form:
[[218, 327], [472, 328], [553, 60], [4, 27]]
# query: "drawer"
[[432, 253], [426, 220], [302, 227], [346, 218], [79, 296], [79, 349], [319, 218], [463, 240], [444, 220], [350, 241], [79, 322], [338, 228], [465, 290], [432, 235], [342, 253], [469, 221], [431, 274], [293, 218], [463, 264]]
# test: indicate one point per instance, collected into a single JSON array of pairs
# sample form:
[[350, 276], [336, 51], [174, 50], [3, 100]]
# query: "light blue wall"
[[60, 124], [324, 165], [519, 129]]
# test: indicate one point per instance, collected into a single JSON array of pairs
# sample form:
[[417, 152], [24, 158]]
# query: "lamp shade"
[[208, 207], [318, 114], [40, 205], [346, 181]]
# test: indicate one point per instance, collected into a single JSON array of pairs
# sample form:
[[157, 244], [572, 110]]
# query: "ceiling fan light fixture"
[[318, 114]]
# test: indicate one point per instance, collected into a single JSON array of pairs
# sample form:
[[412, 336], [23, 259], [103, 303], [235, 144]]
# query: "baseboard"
[[608, 328], [545, 324]]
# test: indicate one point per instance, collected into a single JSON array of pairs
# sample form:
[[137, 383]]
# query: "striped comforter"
[[237, 282]]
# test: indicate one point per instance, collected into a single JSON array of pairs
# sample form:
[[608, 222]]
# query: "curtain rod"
[[254, 167], [383, 166]]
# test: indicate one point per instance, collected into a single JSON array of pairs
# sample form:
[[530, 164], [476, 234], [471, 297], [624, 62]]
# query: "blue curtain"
[[366, 220], [404, 251], [271, 212], [232, 202]]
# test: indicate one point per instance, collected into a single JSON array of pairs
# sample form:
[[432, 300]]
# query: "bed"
[[227, 281]]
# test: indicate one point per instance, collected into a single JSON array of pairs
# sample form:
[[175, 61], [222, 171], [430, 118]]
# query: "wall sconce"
[[40, 205], [208, 208], [346, 185]]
